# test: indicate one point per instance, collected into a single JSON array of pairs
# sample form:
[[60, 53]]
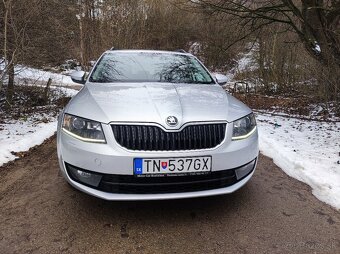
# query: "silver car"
[[153, 125]]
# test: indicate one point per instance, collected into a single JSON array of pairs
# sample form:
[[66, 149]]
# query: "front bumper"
[[111, 159], [163, 196]]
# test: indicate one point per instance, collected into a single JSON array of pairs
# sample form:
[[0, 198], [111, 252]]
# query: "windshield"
[[149, 67]]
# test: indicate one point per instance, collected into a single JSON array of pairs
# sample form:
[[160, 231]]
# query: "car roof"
[[148, 51]]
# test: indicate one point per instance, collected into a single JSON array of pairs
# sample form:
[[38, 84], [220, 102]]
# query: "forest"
[[294, 46]]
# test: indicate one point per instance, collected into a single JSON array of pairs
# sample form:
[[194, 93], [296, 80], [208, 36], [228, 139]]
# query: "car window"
[[149, 67]]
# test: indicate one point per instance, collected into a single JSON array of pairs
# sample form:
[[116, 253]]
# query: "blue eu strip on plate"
[[138, 166]]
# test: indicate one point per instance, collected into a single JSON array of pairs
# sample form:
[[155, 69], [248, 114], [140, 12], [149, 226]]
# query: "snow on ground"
[[247, 62], [28, 75], [306, 150], [36, 76], [20, 135]]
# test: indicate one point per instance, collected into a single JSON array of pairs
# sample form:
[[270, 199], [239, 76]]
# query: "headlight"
[[83, 129], [244, 127]]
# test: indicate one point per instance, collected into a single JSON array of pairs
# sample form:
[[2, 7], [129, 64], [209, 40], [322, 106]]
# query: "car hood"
[[154, 102]]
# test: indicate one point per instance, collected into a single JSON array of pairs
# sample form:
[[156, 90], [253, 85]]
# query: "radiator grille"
[[153, 138]]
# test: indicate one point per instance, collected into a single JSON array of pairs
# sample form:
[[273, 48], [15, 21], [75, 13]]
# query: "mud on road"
[[41, 213]]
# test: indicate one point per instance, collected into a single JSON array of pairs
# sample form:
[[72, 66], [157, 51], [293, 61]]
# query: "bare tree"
[[34, 33], [315, 22], [6, 64], [13, 33]]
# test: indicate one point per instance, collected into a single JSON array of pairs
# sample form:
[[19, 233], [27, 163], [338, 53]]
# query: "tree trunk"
[[47, 90], [322, 44], [4, 72], [10, 86]]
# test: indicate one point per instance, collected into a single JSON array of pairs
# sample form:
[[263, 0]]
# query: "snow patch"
[[308, 151], [317, 48], [20, 135], [36, 75], [305, 150], [28, 75]]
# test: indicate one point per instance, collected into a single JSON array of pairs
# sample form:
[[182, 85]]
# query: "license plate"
[[172, 166]]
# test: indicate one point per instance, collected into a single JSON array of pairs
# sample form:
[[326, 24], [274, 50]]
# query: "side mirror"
[[78, 77], [221, 79]]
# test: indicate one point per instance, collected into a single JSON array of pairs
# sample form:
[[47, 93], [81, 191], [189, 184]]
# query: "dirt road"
[[41, 213]]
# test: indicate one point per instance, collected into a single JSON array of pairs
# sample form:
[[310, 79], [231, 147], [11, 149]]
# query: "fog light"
[[84, 174], [245, 170], [84, 177]]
